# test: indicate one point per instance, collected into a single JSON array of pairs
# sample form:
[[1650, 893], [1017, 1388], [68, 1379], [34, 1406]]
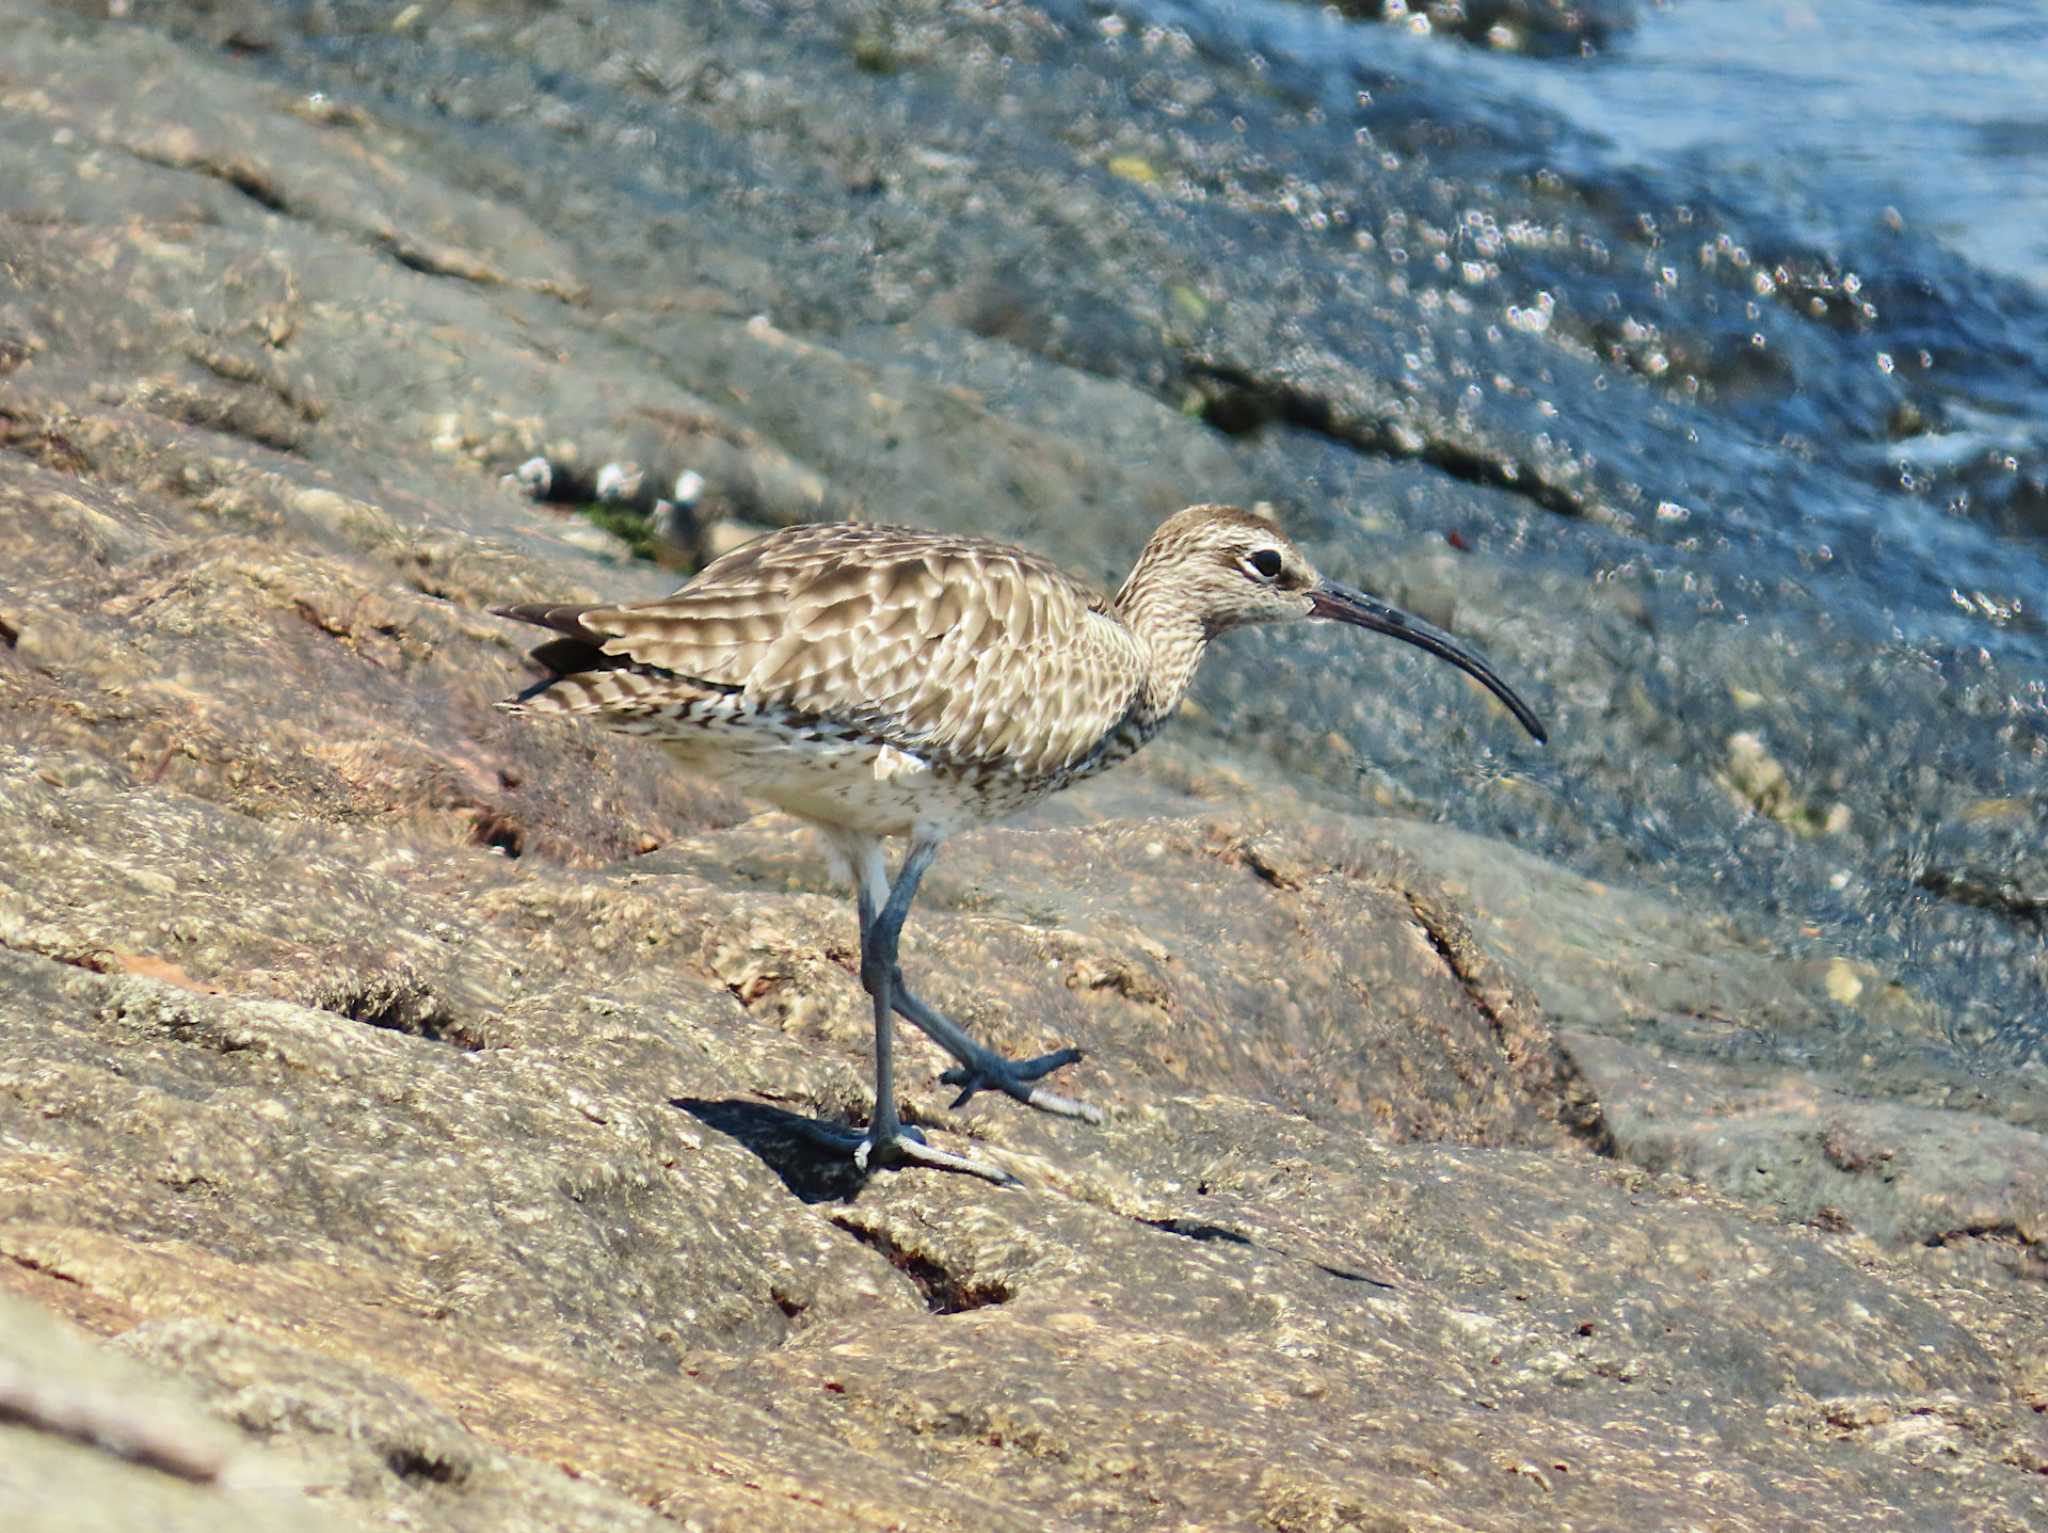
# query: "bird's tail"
[[577, 654], [581, 683], [537, 699], [581, 677]]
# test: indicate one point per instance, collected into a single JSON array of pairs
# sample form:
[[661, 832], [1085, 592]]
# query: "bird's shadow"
[[783, 1143]]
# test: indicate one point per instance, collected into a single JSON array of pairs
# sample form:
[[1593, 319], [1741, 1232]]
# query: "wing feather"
[[954, 647]]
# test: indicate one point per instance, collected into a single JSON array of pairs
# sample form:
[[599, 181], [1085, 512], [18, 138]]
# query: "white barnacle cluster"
[[534, 478], [618, 482]]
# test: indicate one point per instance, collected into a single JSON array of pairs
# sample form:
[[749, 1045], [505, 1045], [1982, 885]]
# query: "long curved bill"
[[1343, 605]]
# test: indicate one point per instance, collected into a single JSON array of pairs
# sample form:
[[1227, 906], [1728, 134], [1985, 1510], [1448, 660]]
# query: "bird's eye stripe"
[[1265, 562]]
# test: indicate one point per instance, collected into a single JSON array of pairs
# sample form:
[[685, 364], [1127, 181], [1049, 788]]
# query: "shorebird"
[[883, 682]]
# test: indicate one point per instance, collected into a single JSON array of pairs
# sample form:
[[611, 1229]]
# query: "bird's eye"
[[1265, 563]]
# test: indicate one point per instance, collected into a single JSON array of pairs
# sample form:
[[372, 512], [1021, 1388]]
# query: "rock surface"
[[396, 1099]]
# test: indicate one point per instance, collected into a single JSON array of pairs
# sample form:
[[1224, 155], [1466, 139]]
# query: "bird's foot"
[[904, 1146], [990, 1071], [907, 1147], [983, 1069]]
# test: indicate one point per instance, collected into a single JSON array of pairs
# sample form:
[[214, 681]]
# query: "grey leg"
[[983, 1069], [980, 1068], [887, 1142]]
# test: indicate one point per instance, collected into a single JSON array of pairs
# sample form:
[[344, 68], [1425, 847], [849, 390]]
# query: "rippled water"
[[1845, 109], [1937, 109]]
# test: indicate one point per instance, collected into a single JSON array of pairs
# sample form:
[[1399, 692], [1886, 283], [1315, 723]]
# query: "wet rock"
[[1987, 855], [2022, 898], [1759, 779], [1973, 1190]]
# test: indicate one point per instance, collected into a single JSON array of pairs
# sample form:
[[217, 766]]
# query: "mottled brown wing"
[[954, 647]]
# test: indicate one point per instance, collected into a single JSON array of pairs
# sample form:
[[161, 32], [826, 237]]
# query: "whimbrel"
[[882, 682]]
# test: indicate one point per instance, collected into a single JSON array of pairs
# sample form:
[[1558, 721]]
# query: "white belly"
[[838, 777]]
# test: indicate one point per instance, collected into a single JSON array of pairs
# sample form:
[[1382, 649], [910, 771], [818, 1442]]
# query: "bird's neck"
[[1174, 637]]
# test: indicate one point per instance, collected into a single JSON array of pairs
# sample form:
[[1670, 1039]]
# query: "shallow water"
[[1842, 110]]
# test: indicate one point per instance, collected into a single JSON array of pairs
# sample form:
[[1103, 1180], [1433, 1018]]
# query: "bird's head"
[[1223, 568]]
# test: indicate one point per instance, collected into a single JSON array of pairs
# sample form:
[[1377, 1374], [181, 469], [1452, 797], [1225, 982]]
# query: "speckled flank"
[[887, 680]]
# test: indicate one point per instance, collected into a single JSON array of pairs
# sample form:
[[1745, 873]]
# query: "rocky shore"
[[396, 1098]]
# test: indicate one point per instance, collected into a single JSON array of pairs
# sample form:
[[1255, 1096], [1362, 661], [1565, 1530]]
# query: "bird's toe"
[[1017, 1078], [907, 1147]]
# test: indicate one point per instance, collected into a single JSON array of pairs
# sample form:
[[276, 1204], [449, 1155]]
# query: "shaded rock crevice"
[[1544, 1068], [945, 1290], [397, 1002], [1238, 402]]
